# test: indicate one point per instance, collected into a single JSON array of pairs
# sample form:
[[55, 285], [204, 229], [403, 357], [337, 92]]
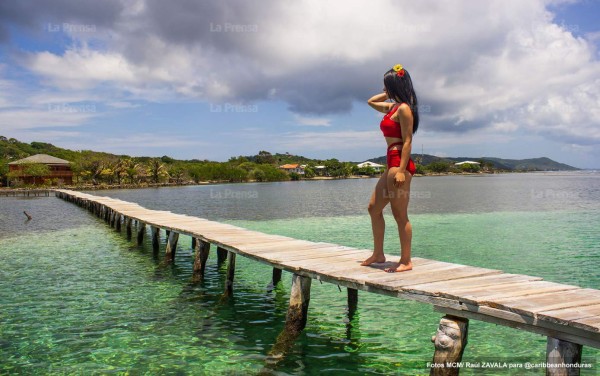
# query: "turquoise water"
[[78, 298]]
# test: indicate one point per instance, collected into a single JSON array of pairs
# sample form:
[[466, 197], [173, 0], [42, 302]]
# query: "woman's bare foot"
[[373, 259], [401, 267]]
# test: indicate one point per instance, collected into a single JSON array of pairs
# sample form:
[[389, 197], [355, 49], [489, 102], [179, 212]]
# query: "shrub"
[[438, 166]]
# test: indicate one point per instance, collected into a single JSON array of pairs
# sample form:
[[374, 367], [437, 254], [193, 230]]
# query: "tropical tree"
[[438, 166], [3, 169], [37, 170], [264, 157], [258, 175], [178, 173], [157, 171], [131, 170], [309, 172]]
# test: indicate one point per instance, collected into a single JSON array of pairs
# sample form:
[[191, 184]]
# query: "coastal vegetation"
[[100, 169]]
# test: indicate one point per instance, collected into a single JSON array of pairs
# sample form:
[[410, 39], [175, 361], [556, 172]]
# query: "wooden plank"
[[270, 245], [379, 267], [357, 274], [487, 297], [549, 301], [288, 255], [448, 288], [570, 314], [592, 321], [321, 255], [446, 275]]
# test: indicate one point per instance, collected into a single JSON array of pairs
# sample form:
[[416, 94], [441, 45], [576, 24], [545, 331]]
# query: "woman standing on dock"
[[400, 122]]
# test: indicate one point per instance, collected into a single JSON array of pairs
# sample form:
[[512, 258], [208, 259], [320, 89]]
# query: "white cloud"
[[312, 121], [495, 66]]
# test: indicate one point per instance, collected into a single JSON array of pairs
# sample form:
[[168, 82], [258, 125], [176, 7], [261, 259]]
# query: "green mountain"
[[531, 164], [12, 149]]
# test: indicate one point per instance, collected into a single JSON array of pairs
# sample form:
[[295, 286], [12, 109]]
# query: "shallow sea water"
[[78, 298]]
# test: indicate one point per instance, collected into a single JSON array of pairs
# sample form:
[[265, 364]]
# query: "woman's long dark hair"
[[400, 90]]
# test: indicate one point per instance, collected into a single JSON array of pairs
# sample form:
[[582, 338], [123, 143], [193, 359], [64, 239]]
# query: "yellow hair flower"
[[398, 67]]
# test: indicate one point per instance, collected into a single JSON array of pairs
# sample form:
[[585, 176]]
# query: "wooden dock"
[[26, 192], [568, 315]]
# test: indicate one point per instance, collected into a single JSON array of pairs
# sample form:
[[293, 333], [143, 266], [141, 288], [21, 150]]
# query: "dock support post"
[[201, 255], [295, 320], [352, 302], [221, 255], [171, 246], [276, 277], [230, 273], [118, 222], [128, 221], [193, 243], [450, 342], [155, 238], [140, 233], [558, 352]]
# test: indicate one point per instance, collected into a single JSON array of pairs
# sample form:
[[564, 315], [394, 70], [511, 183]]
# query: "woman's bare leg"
[[399, 198], [377, 202]]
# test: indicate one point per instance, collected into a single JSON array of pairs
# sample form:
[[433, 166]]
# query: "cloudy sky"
[[214, 79]]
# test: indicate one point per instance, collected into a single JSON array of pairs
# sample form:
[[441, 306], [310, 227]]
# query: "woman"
[[400, 122]]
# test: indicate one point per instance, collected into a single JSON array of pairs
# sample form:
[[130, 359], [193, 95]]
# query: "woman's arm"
[[378, 102]]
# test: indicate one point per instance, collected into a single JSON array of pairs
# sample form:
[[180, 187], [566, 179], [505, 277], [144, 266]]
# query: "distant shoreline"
[[101, 187]]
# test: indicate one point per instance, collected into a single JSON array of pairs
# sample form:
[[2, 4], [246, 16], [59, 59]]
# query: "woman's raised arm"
[[378, 102]]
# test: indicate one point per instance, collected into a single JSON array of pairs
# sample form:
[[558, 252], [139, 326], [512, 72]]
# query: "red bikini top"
[[389, 127]]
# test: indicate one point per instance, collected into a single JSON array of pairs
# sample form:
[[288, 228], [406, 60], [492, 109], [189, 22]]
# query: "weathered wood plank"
[[572, 315], [508, 290], [578, 297], [449, 288]]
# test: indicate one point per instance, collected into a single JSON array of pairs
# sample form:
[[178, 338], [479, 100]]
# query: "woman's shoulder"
[[402, 109]]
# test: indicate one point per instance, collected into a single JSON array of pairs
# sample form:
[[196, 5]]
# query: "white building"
[[376, 166], [465, 162]]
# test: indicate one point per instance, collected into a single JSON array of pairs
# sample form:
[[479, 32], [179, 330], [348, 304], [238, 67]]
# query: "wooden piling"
[[155, 238], [295, 320], [221, 255], [193, 242], [140, 232], [296, 316], [230, 273], [352, 302], [128, 222], [118, 222], [201, 255], [450, 342], [276, 277], [171, 246], [560, 352]]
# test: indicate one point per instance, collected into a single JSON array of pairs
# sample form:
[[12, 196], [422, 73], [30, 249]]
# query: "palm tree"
[[157, 170]]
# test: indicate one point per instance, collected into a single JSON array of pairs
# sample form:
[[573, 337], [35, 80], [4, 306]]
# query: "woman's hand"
[[399, 179], [378, 102]]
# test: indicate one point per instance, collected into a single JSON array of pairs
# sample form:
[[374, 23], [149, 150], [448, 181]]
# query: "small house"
[[293, 167], [58, 169], [375, 166]]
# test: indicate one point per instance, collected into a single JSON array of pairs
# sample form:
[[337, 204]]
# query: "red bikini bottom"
[[393, 159]]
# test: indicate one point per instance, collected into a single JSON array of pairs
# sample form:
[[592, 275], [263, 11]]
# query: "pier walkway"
[[568, 315]]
